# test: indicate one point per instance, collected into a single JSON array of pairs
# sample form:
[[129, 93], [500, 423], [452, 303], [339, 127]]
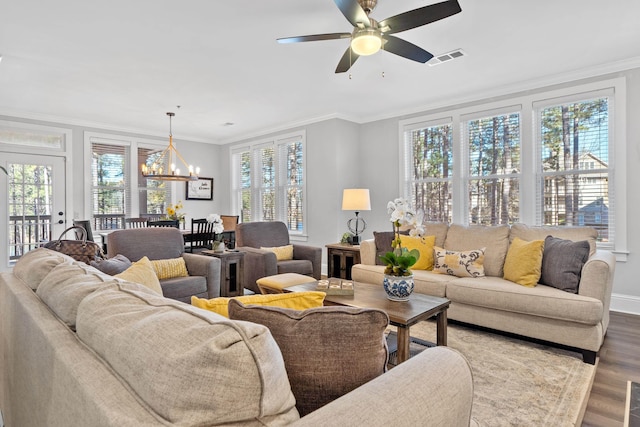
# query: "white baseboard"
[[625, 303]]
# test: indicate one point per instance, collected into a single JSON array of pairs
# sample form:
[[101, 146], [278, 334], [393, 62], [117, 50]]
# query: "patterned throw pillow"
[[460, 264], [283, 253], [170, 268]]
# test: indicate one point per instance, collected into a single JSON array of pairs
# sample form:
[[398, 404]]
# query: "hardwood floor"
[[619, 363]]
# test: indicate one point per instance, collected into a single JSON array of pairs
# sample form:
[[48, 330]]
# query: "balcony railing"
[[27, 233]]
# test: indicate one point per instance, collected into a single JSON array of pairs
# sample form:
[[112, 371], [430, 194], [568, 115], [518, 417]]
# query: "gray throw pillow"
[[327, 351], [562, 263], [112, 266], [383, 241]]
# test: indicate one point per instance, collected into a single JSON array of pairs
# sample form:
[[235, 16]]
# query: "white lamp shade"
[[356, 199]]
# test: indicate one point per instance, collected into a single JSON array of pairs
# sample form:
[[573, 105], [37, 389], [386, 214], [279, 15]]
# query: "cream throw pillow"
[[523, 264], [283, 253], [142, 272], [425, 246], [293, 300], [459, 263]]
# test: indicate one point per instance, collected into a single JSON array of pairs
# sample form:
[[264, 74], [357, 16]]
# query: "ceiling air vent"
[[446, 57]]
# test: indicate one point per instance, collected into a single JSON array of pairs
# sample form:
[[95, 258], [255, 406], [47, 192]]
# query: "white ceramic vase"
[[218, 247], [398, 288]]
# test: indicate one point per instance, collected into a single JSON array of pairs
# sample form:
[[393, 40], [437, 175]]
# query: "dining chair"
[[201, 236], [164, 223], [229, 223], [86, 224], [135, 222]]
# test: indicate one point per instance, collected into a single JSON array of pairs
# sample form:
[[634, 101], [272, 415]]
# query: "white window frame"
[[275, 142], [529, 161], [132, 143]]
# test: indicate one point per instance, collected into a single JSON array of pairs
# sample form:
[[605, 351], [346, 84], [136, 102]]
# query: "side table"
[[231, 272], [340, 258]]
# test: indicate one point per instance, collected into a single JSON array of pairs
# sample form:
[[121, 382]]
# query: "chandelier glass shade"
[[164, 166]]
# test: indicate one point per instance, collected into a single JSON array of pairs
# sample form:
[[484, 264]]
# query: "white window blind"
[[575, 184], [492, 151], [110, 195], [241, 182], [428, 165], [154, 196], [291, 183]]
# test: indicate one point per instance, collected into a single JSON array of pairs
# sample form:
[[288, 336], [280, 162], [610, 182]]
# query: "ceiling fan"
[[369, 35]]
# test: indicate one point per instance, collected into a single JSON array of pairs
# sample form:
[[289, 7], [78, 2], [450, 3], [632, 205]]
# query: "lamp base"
[[355, 240]]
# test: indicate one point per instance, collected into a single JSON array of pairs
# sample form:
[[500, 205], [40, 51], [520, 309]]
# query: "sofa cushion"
[[424, 245], [33, 266], [170, 268], [544, 301], [562, 263], [327, 351], [438, 229], [524, 262], [494, 239], [112, 266], [292, 300], [576, 234], [142, 272], [190, 366], [178, 287], [67, 285], [459, 263], [300, 266]]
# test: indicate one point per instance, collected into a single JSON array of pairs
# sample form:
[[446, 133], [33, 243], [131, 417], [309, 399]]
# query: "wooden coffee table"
[[402, 315]]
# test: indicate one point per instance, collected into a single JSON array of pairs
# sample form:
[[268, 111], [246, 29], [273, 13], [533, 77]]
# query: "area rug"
[[516, 382]]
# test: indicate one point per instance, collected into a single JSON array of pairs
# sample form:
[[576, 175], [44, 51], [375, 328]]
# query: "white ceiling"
[[122, 64]]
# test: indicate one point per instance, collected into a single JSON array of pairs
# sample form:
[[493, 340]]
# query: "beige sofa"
[[542, 312], [80, 348]]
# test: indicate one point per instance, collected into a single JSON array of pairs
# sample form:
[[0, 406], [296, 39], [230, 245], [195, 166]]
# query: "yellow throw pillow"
[[170, 268], [294, 300], [424, 245], [459, 263], [283, 253], [523, 264], [142, 272]]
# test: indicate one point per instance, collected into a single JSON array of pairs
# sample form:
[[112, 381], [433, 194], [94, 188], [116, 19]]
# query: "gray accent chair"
[[258, 263], [166, 243]]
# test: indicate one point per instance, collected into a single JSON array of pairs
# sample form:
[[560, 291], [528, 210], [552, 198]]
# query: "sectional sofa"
[[82, 348], [577, 320]]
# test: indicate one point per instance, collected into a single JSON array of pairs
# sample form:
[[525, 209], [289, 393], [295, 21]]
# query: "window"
[[117, 188], [493, 147], [488, 164], [268, 182], [429, 168], [574, 158]]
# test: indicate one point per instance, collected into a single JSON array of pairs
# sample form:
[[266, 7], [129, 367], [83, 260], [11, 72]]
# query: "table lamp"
[[356, 199]]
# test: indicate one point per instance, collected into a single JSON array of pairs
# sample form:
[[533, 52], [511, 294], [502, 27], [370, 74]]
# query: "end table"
[[340, 258], [231, 272]]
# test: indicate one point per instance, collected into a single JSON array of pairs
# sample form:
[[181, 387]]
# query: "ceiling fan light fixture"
[[366, 42]]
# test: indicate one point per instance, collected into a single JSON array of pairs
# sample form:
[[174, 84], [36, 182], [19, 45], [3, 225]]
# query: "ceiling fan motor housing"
[[368, 5]]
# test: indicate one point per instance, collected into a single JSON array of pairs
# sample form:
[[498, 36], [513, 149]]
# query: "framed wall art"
[[202, 189]]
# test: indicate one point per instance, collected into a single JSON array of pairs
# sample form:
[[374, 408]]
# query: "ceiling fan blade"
[[314, 37], [418, 17], [353, 12], [405, 49], [347, 60]]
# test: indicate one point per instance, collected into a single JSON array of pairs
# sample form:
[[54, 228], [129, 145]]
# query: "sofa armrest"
[[368, 252], [596, 280], [258, 263], [207, 266], [311, 253], [434, 387]]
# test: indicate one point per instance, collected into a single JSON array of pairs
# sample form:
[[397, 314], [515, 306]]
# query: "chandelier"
[[164, 167]]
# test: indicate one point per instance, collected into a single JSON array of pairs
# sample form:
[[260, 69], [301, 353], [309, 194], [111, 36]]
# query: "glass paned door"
[[34, 209]]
